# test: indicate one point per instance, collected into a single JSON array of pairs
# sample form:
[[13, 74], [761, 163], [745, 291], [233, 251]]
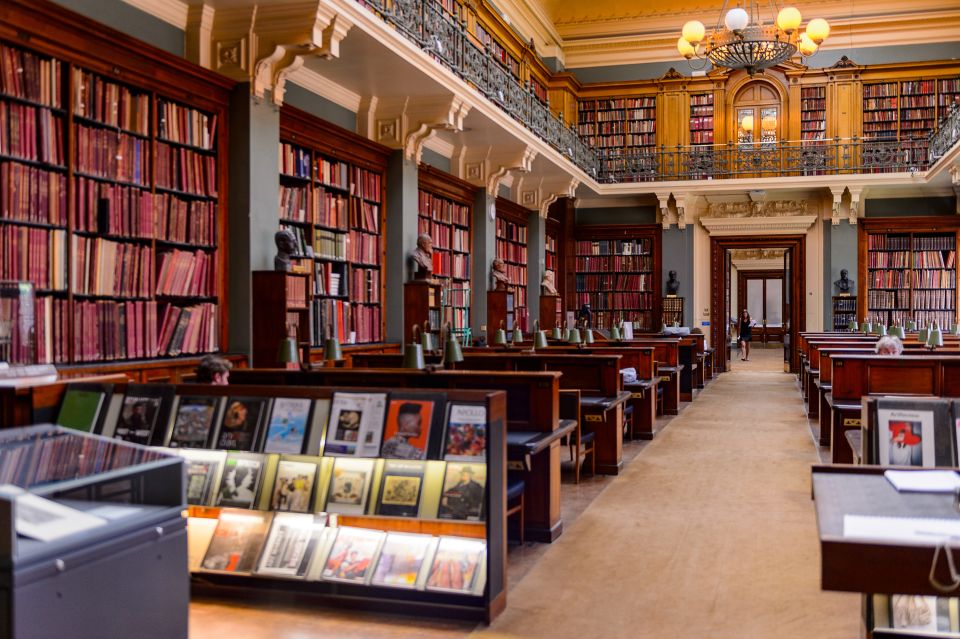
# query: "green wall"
[[132, 21], [319, 106], [625, 215]]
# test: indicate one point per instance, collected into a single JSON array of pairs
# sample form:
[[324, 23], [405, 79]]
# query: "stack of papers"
[[924, 481]]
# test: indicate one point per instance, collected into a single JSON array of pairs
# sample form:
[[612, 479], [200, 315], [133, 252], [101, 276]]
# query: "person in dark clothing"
[[746, 334]]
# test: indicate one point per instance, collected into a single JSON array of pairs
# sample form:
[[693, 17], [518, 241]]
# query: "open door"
[[727, 311], [788, 328]]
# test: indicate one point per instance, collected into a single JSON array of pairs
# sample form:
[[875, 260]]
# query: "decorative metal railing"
[[946, 135], [758, 160], [446, 39]]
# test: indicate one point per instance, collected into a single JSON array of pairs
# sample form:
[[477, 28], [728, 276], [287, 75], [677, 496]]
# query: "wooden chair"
[[580, 443], [515, 490]]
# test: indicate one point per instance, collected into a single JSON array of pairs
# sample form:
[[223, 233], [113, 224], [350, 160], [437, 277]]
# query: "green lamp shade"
[[922, 335], [517, 335], [452, 353], [615, 334], [540, 339], [588, 339], [897, 331], [413, 357], [573, 337], [912, 326], [557, 333], [289, 353], [853, 326]]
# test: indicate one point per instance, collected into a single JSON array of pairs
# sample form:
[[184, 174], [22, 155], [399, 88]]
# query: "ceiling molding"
[[659, 45], [758, 265], [530, 17], [786, 225], [170, 11]]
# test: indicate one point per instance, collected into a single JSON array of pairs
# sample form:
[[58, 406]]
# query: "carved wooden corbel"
[[663, 204], [855, 195], [837, 193]]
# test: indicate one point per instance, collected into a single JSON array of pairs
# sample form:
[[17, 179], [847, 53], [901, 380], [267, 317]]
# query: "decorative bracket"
[[837, 193], [482, 166], [663, 202], [540, 193], [407, 123], [264, 43], [855, 194]]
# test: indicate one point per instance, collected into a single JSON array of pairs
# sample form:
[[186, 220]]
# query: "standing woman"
[[746, 334]]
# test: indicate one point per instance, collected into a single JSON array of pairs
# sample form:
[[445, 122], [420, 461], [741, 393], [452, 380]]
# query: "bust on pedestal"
[[498, 275], [844, 284], [673, 284], [423, 257]]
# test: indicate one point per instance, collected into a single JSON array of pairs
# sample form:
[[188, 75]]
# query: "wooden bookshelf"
[[512, 249], [908, 271], [813, 113], [282, 309], [947, 91], [672, 310], [552, 263], [333, 198], [619, 125], [114, 202], [701, 118], [618, 274], [844, 311], [421, 304], [446, 213]]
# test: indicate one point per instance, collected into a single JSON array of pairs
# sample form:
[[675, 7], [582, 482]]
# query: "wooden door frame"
[[755, 274], [798, 307]]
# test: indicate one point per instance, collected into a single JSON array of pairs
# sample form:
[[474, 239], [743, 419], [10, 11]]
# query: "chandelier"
[[747, 42]]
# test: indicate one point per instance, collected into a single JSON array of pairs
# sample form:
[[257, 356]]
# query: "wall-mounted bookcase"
[[813, 113], [701, 118], [618, 125], [112, 180], [908, 269], [512, 249], [552, 263], [333, 198], [618, 274], [499, 52], [844, 311], [880, 111], [446, 213]]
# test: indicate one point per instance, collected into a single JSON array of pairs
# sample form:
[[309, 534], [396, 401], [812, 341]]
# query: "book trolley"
[[124, 571], [325, 491]]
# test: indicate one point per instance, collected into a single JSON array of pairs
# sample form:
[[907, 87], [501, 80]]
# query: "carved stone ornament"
[[845, 63], [772, 208], [672, 74]]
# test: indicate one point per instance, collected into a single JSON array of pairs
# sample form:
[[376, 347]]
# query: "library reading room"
[[505, 319]]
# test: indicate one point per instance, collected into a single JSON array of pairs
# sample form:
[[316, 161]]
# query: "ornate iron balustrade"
[[946, 135], [446, 39], [759, 160]]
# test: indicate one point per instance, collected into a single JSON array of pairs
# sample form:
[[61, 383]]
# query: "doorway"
[[760, 291], [724, 291]]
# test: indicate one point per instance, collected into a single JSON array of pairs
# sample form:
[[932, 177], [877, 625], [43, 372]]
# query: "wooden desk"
[[604, 417], [855, 439], [876, 566], [669, 377]]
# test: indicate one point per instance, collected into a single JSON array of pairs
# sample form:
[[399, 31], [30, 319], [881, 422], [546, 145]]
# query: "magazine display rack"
[[120, 563], [391, 501]]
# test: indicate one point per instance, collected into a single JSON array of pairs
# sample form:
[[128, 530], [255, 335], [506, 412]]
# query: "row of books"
[[35, 255], [332, 173], [618, 103], [813, 104], [442, 209], [699, 112], [518, 277], [296, 290], [353, 324], [613, 301], [511, 252], [700, 123], [445, 238], [115, 156], [632, 126], [456, 265], [107, 330], [624, 140], [888, 259], [880, 90], [699, 99], [845, 304], [615, 282], [110, 103], [31, 133], [935, 279], [185, 221], [701, 137], [300, 236], [888, 279], [917, 114], [642, 320], [813, 125], [614, 247], [184, 125], [189, 330], [880, 300], [52, 325], [29, 76], [881, 104], [365, 215], [927, 318], [899, 317], [114, 209], [813, 135], [618, 263], [366, 184], [105, 267], [364, 248], [917, 87], [934, 242], [935, 300], [365, 285], [294, 161], [32, 194], [17, 337], [884, 242], [934, 259], [329, 278], [295, 546], [186, 170], [187, 273], [295, 204], [511, 231], [330, 245]]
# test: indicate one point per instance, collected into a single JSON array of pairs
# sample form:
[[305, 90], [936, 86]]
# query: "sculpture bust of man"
[[423, 257], [673, 284], [547, 283], [286, 247], [498, 272], [844, 284]]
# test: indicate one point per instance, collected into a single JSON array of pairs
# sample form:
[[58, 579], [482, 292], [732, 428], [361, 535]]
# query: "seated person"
[[214, 370], [889, 345]]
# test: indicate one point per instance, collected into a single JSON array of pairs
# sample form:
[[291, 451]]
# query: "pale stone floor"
[[709, 532]]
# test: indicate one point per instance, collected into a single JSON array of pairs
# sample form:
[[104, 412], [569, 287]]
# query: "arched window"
[[758, 109]]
